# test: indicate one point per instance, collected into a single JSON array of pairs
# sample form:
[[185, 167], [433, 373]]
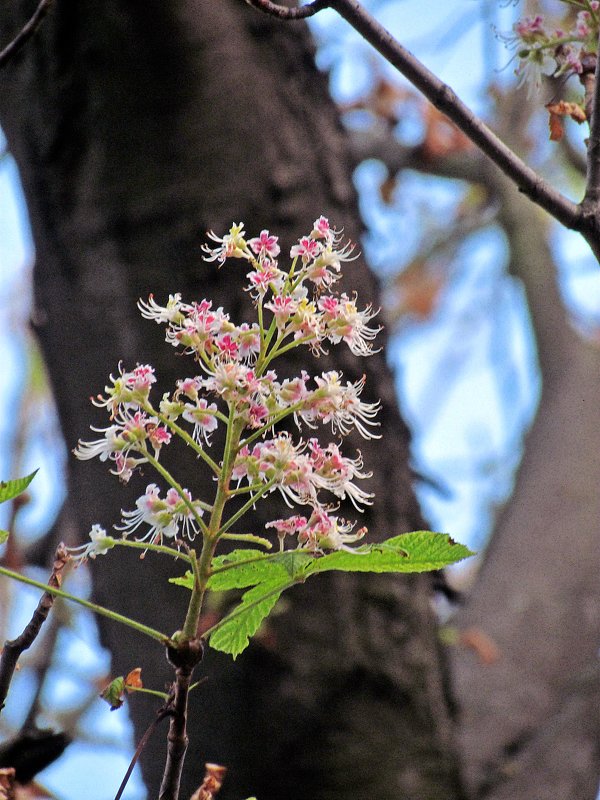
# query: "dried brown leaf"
[[134, 679], [559, 110], [214, 776]]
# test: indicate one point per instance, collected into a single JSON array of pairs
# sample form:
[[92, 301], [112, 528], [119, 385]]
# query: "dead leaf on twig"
[[134, 679], [559, 110], [214, 776]]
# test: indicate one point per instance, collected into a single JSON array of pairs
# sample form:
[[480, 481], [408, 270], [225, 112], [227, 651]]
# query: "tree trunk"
[[538, 593], [136, 127]]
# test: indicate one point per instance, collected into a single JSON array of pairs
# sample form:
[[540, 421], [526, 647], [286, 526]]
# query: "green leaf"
[[187, 580], [242, 568], [420, 551], [3, 536], [296, 563], [10, 489], [232, 634], [430, 551], [236, 570], [114, 693], [269, 575]]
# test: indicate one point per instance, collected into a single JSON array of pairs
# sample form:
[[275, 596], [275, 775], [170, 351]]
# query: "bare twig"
[[582, 218], [444, 98], [26, 32], [178, 738], [42, 667], [591, 200], [184, 658], [163, 712], [14, 648]]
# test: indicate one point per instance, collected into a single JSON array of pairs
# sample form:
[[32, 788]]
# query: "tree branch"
[[177, 738], [591, 200], [14, 648], [570, 214], [444, 98], [163, 712], [25, 33], [184, 658]]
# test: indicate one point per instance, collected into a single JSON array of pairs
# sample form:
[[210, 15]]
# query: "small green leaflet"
[[10, 489], [271, 574], [114, 693]]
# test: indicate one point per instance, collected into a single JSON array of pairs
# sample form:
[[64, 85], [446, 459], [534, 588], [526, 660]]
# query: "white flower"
[[99, 545]]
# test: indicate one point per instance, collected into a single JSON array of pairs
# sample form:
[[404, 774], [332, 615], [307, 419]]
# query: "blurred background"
[[454, 259]]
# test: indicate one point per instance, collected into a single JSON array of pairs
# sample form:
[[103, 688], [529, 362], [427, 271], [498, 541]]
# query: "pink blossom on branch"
[[237, 388]]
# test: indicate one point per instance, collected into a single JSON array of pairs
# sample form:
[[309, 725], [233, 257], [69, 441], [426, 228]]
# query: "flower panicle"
[[237, 390]]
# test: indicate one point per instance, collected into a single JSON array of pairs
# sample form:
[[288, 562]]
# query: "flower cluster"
[[300, 469], [322, 531], [168, 517], [543, 49], [237, 391], [131, 433]]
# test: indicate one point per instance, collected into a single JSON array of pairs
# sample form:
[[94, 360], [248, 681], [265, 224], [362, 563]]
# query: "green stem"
[[103, 612], [266, 357], [272, 422], [189, 440], [155, 548], [253, 487], [154, 692], [230, 439], [246, 507], [190, 626], [178, 488], [247, 537], [259, 311], [267, 340], [202, 565], [289, 285], [277, 351]]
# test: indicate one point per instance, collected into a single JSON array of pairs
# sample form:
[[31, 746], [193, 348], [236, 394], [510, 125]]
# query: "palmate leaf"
[[233, 633], [420, 551], [11, 489], [242, 568], [237, 570], [270, 574]]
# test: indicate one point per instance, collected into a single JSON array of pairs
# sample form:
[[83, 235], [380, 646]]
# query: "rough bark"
[[538, 593], [136, 127]]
